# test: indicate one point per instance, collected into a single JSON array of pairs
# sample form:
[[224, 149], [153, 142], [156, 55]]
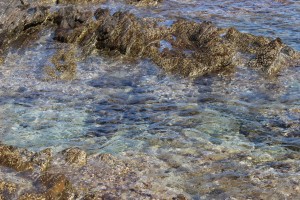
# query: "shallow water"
[[115, 106]]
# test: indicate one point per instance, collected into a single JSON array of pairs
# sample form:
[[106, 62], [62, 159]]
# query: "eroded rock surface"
[[186, 48]]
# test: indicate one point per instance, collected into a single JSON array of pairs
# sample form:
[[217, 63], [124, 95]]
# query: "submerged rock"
[[97, 177]]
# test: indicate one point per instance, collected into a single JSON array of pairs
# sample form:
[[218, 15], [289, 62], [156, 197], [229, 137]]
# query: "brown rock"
[[144, 2], [75, 155], [57, 186], [10, 157], [79, 1]]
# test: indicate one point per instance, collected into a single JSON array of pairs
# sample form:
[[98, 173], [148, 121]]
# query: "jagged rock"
[[43, 158], [124, 33], [21, 23], [268, 56], [187, 48], [75, 155], [71, 23], [132, 37]]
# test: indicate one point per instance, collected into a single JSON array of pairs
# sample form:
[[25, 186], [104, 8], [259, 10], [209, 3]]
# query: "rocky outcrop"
[[186, 48], [21, 22]]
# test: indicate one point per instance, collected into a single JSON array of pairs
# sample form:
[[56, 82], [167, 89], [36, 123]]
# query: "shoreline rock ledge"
[[185, 47]]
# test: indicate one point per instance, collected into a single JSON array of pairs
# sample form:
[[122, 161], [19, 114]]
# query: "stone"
[[75, 155], [10, 157], [79, 1], [144, 2], [65, 65]]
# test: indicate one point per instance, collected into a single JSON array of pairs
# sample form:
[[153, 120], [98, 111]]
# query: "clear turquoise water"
[[114, 107]]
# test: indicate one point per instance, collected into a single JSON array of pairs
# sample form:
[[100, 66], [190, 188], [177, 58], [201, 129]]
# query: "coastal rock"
[[144, 2], [79, 1], [187, 48], [58, 186], [7, 189], [132, 37], [11, 157], [65, 65], [75, 155], [70, 21], [21, 23]]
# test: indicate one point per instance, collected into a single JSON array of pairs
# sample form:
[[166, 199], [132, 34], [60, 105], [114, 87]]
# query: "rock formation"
[[186, 48]]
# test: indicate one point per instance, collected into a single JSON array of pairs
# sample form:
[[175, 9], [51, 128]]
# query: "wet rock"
[[21, 21], [122, 32], [75, 155], [135, 38], [186, 48], [268, 55], [11, 157], [79, 1], [43, 159], [65, 65], [1, 60], [71, 23], [179, 197], [58, 186], [144, 2], [245, 42], [7, 189]]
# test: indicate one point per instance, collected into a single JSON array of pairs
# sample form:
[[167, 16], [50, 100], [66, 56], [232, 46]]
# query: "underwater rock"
[[75, 155], [238, 174]]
